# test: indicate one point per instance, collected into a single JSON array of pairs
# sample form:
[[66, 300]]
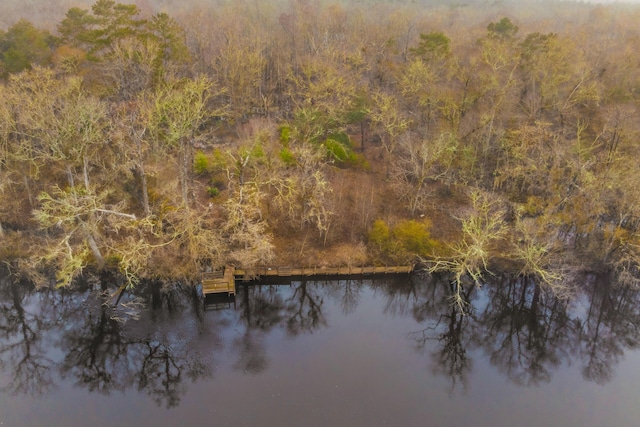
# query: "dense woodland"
[[161, 139]]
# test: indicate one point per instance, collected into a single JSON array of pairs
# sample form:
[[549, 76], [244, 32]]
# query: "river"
[[389, 351]]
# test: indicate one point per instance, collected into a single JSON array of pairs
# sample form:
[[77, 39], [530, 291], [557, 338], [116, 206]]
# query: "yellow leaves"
[[537, 250], [387, 115], [621, 235], [302, 192], [238, 68], [417, 80], [533, 206], [170, 247], [65, 255], [78, 221], [379, 235], [133, 67], [530, 155], [325, 93], [482, 227], [246, 230], [69, 267], [497, 54], [68, 58], [56, 121], [63, 207], [403, 242], [420, 160], [182, 106]]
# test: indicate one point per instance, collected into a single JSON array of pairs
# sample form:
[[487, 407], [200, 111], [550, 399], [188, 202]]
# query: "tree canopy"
[[164, 143]]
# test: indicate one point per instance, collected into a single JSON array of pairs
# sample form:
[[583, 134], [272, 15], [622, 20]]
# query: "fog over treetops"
[[46, 13]]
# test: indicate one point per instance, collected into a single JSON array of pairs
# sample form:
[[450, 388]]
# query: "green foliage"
[[504, 29], [200, 163], [379, 235], [99, 30], [434, 45], [284, 133], [257, 151], [535, 43], [213, 191], [287, 157], [359, 111], [403, 242], [358, 161], [339, 147], [171, 38], [310, 125], [217, 160], [414, 237], [527, 112], [204, 164], [24, 45], [341, 138]]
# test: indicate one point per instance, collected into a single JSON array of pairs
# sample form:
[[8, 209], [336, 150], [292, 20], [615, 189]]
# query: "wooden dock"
[[224, 281], [219, 282], [320, 271]]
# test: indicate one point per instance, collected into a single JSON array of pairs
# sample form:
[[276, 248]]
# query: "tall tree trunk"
[[142, 173], [185, 158], [28, 188], [85, 172], [94, 247], [145, 190], [182, 159], [70, 177]]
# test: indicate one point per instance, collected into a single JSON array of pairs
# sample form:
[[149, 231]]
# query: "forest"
[[156, 140]]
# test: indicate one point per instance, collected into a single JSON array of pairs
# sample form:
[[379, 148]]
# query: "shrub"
[[213, 191], [379, 235], [200, 163], [287, 157], [414, 237], [337, 151], [339, 147], [209, 164], [358, 161], [218, 160], [285, 134], [404, 241]]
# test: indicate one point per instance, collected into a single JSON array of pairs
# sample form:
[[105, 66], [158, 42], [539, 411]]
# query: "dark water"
[[322, 353]]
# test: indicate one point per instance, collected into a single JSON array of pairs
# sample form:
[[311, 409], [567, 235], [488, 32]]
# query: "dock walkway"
[[224, 281], [321, 271]]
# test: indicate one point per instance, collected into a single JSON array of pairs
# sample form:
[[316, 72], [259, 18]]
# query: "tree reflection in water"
[[104, 354], [525, 332], [401, 295], [104, 350], [446, 327], [96, 350], [524, 329], [304, 308], [296, 307], [261, 311], [22, 337], [608, 328], [347, 293]]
